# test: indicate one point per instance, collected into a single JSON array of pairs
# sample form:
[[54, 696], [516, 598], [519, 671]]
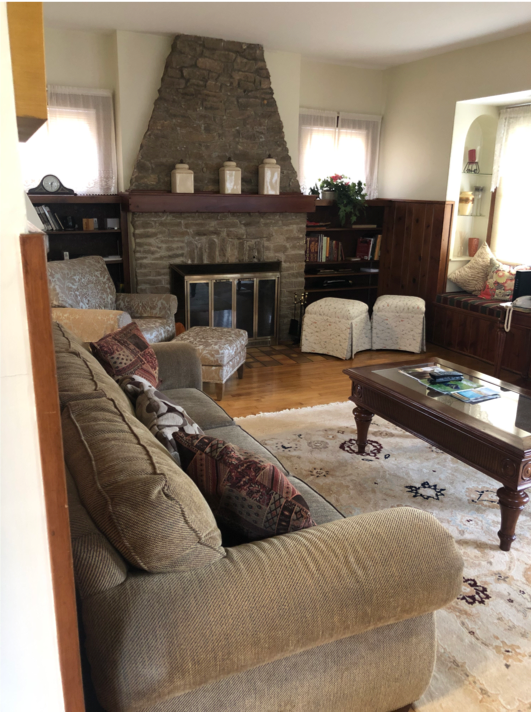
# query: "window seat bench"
[[472, 326]]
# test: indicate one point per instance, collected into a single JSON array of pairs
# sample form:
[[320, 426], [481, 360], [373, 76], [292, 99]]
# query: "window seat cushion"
[[464, 300]]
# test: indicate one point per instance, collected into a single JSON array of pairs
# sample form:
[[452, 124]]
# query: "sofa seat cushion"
[[463, 300], [322, 511], [148, 508], [200, 407], [78, 372], [249, 496]]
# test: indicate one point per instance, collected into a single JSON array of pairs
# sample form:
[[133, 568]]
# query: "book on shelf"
[[44, 218], [51, 219], [361, 227], [364, 247], [59, 221], [377, 248], [320, 248], [369, 270]]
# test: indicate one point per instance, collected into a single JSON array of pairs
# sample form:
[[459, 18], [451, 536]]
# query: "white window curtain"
[[317, 146], [511, 230], [358, 147], [332, 142], [77, 143]]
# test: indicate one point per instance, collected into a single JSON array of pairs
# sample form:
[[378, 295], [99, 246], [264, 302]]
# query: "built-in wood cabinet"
[[26, 39]]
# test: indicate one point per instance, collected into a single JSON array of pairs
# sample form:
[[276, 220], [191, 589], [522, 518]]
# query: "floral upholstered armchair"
[[84, 299]]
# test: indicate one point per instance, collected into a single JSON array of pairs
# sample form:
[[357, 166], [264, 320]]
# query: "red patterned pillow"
[[249, 496], [127, 353]]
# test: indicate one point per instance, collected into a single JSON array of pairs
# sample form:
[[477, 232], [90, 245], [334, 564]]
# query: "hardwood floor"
[[297, 385]]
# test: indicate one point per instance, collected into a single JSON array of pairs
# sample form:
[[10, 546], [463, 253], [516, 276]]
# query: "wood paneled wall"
[[26, 39], [414, 256]]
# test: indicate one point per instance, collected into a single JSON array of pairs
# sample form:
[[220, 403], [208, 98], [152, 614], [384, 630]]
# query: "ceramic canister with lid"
[[230, 178], [269, 177], [466, 203], [182, 179]]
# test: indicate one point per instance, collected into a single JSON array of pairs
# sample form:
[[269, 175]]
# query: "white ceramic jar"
[[230, 178], [182, 179], [269, 177]]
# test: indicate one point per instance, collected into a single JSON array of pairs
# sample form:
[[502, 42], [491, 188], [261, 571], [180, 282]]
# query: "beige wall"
[[285, 70], [79, 59], [30, 664], [421, 103], [341, 87], [140, 62]]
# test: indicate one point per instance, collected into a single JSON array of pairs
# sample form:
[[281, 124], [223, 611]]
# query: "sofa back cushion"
[[148, 508], [79, 373], [83, 283]]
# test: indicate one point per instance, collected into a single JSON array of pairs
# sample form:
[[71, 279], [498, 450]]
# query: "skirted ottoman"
[[337, 327], [398, 323], [222, 351]]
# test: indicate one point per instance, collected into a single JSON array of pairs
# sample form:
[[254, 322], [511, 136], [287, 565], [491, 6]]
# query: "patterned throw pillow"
[[500, 281], [159, 414], [473, 275], [250, 498], [125, 353]]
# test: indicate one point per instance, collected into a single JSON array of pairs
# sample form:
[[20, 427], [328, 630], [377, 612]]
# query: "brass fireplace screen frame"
[[184, 276]]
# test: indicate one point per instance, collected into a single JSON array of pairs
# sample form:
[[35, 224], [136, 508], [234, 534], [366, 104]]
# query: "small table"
[[494, 436]]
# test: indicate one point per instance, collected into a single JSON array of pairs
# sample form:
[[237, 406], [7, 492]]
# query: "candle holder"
[[472, 166]]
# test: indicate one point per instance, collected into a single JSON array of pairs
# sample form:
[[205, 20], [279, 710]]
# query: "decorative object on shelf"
[[89, 224], [69, 222], [230, 178], [478, 195], [314, 191], [50, 185], [466, 203], [112, 223], [182, 178], [472, 165], [473, 246], [269, 177]]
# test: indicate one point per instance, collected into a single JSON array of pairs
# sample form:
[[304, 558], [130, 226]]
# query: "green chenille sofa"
[[338, 617]]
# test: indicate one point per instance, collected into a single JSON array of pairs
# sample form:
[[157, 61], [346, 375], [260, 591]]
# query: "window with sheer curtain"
[[77, 143], [511, 229], [332, 142]]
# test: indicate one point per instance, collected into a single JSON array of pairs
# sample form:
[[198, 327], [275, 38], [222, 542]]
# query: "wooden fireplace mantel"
[[158, 201]]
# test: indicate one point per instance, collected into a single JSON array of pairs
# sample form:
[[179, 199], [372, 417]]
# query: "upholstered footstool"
[[398, 323], [222, 351], [337, 327]]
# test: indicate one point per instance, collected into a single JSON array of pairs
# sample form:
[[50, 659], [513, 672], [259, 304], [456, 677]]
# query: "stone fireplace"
[[216, 101]]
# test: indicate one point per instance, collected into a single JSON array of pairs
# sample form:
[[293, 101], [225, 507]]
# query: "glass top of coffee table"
[[511, 412]]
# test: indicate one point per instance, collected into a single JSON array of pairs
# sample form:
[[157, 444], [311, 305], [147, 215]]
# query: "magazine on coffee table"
[[421, 374], [477, 395]]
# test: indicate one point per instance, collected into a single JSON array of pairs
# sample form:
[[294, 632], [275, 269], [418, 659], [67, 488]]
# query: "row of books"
[[320, 248], [50, 221], [368, 248]]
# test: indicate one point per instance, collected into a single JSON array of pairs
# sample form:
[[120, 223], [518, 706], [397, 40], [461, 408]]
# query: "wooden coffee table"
[[494, 437]]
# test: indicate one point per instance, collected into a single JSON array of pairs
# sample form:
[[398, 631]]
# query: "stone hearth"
[[216, 101]]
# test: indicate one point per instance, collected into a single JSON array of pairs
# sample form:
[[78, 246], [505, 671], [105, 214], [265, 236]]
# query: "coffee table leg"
[[511, 504], [363, 420]]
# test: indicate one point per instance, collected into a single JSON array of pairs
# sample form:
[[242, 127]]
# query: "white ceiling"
[[368, 34]]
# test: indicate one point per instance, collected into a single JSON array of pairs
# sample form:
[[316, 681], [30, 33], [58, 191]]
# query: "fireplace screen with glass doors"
[[243, 296]]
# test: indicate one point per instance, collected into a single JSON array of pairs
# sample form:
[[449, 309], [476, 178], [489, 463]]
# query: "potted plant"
[[349, 196]]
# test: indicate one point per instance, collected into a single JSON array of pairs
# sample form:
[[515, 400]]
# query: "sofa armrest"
[[141, 306], [265, 601], [91, 324], [179, 365]]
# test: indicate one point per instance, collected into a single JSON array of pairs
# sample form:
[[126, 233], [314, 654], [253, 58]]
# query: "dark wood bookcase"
[[102, 241], [345, 279]]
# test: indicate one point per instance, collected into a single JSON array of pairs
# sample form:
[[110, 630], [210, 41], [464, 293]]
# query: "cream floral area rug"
[[484, 656]]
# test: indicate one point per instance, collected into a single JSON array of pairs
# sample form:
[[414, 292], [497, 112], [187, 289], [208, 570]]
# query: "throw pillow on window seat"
[[473, 275], [500, 281], [159, 414], [251, 499], [126, 353]]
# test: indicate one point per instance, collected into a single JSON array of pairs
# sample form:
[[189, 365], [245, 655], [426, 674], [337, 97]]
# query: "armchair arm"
[[179, 365], [141, 306], [91, 324], [265, 601]]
